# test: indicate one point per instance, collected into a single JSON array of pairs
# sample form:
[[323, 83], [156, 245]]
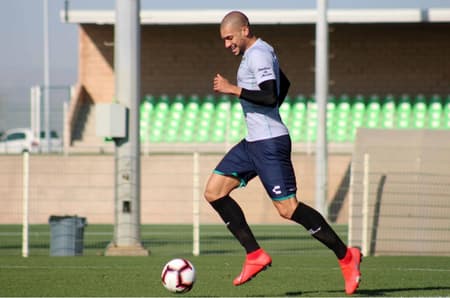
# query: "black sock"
[[231, 213], [317, 226]]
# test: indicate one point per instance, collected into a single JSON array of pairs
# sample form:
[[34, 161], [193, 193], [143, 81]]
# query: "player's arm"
[[284, 87], [267, 96]]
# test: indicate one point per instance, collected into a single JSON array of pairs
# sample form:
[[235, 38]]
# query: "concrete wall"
[[84, 185], [408, 192]]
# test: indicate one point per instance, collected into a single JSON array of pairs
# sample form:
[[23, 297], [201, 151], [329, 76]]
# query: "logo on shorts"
[[276, 190]]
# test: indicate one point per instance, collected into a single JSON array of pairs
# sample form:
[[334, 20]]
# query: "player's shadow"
[[370, 293]]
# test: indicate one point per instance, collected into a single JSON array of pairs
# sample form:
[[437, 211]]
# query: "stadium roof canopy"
[[264, 16]]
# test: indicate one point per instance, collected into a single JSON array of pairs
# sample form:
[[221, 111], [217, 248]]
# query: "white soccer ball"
[[178, 275]]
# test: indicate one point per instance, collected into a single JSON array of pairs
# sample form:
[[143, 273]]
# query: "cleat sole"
[[254, 275]]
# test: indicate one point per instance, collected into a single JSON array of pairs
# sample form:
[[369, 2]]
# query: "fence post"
[[196, 205], [365, 207], [25, 191]]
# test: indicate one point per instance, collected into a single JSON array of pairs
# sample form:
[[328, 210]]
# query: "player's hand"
[[221, 84]]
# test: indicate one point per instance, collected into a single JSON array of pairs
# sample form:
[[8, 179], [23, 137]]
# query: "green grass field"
[[289, 276], [301, 267]]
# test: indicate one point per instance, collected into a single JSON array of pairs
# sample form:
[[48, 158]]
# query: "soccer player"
[[265, 152]]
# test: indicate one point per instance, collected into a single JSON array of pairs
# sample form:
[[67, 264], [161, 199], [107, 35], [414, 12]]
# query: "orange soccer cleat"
[[350, 269], [255, 262]]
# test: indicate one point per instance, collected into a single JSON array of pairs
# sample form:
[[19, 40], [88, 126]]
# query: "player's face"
[[234, 39]]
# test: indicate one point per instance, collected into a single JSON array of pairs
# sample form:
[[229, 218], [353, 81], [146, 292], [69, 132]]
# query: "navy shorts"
[[269, 159]]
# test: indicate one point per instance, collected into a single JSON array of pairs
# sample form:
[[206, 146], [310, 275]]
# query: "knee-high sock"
[[317, 226], [233, 216]]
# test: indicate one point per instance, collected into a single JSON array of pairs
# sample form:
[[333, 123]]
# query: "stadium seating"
[[217, 119]]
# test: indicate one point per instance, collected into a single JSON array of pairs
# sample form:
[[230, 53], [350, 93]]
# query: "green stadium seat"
[[171, 135], [224, 104], [344, 98], [311, 108], [373, 111], [339, 131], [202, 134], [236, 134], [187, 134], [163, 98], [403, 114], [218, 135], [207, 119], [156, 134], [194, 98], [419, 98], [179, 98], [446, 121], [435, 111], [220, 124], [446, 113], [296, 134], [144, 134], [420, 104], [298, 110], [419, 111], [343, 105], [299, 98], [237, 123], [189, 122], [145, 114], [149, 98], [349, 112], [388, 106], [357, 113], [340, 135], [162, 105], [285, 110], [204, 123], [332, 114], [311, 131], [388, 110], [207, 107]]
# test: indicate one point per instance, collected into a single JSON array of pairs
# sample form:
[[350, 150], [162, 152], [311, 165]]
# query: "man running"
[[265, 152]]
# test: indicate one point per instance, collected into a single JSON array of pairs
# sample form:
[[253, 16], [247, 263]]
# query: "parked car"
[[55, 142], [19, 140]]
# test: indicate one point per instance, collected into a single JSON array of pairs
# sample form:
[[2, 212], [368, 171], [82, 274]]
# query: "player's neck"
[[251, 42]]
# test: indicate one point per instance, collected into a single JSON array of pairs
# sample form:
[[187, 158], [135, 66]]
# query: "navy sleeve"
[[267, 96], [284, 87]]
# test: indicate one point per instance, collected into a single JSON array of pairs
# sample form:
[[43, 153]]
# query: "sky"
[[22, 46]]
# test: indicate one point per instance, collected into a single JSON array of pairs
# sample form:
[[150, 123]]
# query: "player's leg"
[[217, 194], [312, 221], [315, 223], [233, 171], [277, 175]]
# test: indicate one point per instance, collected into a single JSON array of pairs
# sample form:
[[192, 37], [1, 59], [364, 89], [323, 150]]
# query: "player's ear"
[[245, 31]]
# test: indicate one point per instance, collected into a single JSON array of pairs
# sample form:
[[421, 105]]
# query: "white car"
[[19, 140], [55, 142]]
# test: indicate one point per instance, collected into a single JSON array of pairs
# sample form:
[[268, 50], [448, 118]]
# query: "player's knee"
[[211, 194], [285, 213], [286, 208]]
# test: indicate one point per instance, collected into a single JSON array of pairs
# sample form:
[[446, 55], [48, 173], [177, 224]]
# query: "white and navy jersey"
[[259, 63]]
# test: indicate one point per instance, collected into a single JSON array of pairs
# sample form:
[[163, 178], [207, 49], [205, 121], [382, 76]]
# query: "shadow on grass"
[[370, 293]]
